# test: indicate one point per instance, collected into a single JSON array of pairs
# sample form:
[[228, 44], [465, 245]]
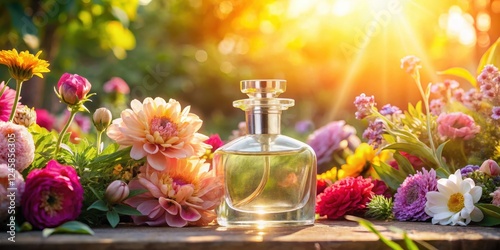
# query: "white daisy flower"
[[454, 201]]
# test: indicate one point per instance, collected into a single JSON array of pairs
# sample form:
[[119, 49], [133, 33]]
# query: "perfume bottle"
[[269, 178]]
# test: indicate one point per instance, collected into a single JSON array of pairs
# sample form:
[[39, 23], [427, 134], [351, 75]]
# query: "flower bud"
[[102, 119], [490, 167], [72, 88], [25, 116], [116, 192]]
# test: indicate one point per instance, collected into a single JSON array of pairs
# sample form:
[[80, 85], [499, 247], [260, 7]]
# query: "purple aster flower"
[[364, 104], [373, 133], [495, 112], [409, 200], [332, 137], [465, 171]]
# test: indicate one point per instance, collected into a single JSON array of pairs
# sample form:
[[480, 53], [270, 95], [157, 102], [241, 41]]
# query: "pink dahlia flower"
[[183, 194], [457, 125], [159, 130], [53, 195], [116, 85], [347, 196], [45, 119], [11, 190], [6, 101], [496, 197], [409, 200], [16, 142]]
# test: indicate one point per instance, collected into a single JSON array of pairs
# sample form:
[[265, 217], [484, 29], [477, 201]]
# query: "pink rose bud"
[[72, 88], [490, 167], [116, 192]]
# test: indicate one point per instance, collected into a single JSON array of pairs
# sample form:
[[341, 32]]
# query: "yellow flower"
[[333, 174], [362, 161], [24, 65], [497, 151]]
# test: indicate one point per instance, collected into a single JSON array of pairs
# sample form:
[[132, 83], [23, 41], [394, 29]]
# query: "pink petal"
[[170, 206], [148, 207], [190, 214], [150, 148], [137, 152], [174, 220], [157, 161]]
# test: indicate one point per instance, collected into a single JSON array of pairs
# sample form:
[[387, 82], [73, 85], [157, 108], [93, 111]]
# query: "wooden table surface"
[[323, 235]]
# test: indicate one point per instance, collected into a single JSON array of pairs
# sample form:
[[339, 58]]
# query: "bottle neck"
[[263, 121]]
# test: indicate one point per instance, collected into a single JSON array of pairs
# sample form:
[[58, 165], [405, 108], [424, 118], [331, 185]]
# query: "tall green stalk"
[[63, 131], [19, 84]]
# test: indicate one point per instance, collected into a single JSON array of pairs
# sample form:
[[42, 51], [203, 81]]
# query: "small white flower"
[[454, 201]]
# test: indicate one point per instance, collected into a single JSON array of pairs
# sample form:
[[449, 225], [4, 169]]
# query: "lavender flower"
[[409, 200], [364, 104], [489, 82], [436, 106], [410, 64], [373, 132], [472, 99], [389, 110], [304, 126]]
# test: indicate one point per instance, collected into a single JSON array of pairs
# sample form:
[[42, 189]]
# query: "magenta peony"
[[347, 196], [409, 200], [16, 143], [457, 125], [11, 190], [53, 195], [183, 194], [6, 101], [72, 88]]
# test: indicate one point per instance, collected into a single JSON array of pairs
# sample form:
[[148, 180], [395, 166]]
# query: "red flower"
[[321, 185], [346, 196]]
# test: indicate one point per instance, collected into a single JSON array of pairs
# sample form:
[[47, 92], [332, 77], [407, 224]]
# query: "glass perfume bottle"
[[269, 178]]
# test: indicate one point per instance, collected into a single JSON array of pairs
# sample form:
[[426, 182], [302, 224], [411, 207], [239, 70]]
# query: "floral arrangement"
[[154, 167], [440, 164], [151, 166]]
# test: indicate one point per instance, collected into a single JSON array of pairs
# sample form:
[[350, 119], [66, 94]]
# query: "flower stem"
[[16, 100], [63, 131], [416, 77], [99, 135]]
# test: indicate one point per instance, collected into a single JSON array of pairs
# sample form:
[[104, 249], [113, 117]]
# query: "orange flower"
[[22, 66], [159, 130]]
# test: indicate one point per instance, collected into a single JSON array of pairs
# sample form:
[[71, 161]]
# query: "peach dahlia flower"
[[159, 130], [186, 193]]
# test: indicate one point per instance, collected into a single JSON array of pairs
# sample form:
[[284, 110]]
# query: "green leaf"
[[70, 227], [410, 245], [439, 153], [460, 72], [126, 210], [391, 176], [113, 218], [491, 214], [442, 173], [491, 56], [136, 192], [99, 205], [368, 225], [404, 164]]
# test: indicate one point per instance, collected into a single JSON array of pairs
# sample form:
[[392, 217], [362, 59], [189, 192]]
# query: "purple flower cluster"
[[436, 106], [389, 110], [489, 82], [410, 64], [495, 113], [465, 171], [409, 200], [373, 133], [364, 104]]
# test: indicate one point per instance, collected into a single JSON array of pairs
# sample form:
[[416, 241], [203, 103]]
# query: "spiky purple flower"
[[373, 133], [465, 171], [364, 104]]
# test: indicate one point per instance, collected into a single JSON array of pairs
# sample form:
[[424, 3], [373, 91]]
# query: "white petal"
[[464, 187], [468, 203], [439, 209], [446, 187], [476, 193], [476, 215], [436, 198]]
